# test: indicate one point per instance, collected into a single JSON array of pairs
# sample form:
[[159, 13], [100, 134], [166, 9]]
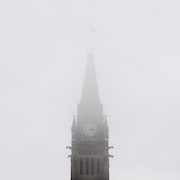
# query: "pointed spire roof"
[[90, 93]]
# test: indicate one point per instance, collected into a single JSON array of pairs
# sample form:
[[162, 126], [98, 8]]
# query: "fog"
[[43, 54]]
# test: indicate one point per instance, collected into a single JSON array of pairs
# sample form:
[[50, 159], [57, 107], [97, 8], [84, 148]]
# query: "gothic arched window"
[[81, 166], [98, 166], [92, 166], [87, 166]]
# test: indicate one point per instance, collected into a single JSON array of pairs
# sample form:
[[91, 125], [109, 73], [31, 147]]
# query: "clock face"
[[90, 129]]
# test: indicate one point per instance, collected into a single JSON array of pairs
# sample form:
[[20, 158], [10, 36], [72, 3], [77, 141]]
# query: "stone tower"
[[90, 139]]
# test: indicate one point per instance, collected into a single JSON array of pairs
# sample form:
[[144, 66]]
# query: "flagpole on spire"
[[92, 31], [90, 38]]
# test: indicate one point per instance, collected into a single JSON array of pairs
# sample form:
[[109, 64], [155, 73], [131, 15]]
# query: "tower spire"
[[90, 101], [90, 93]]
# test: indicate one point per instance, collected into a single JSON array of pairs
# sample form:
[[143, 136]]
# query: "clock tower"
[[90, 138]]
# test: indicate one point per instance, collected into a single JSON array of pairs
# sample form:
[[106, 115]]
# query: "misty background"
[[43, 53]]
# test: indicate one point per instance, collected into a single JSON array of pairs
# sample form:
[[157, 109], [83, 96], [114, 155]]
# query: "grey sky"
[[43, 53]]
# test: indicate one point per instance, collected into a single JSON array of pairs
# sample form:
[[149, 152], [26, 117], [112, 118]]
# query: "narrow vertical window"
[[87, 166], [98, 166], [81, 166], [92, 166], [74, 161]]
